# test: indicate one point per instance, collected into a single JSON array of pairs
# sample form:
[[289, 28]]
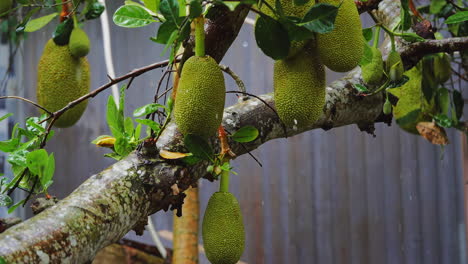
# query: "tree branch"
[[109, 204]]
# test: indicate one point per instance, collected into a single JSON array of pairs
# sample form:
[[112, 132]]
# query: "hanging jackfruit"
[[79, 43], [290, 9], [223, 230], [5, 6], [61, 79], [342, 49], [372, 72], [200, 97], [299, 85], [411, 107], [394, 66]]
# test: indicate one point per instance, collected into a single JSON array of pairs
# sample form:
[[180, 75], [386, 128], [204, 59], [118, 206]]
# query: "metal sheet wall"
[[334, 197]]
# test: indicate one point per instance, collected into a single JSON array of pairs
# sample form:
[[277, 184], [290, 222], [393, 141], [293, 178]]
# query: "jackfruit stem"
[[199, 23], [376, 37], [224, 182], [182, 8], [392, 40], [75, 21]]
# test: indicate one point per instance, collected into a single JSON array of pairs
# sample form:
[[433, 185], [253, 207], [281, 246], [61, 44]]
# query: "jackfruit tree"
[[397, 69]]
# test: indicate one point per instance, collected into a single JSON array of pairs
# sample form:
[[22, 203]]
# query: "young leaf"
[[411, 37], [436, 6], [170, 10], [150, 123], [368, 34], [9, 145], [320, 18], [114, 119], [21, 26], [94, 10], [62, 32], [198, 147], [361, 88], [272, 38], [132, 16], [443, 100], [147, 109], [122, 146], [128, 124], [13, 208], [5, 116], [165, 31], [405, 15], [49, 171], [38, 23], [137, 133], [5, 200], [457, 18], [245, 134], [195, 9], [152, 5], [37, 161]]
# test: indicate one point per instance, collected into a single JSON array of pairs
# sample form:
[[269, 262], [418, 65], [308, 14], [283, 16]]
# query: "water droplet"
[[245, 44]]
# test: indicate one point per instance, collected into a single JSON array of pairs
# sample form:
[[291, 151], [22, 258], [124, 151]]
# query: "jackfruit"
[[5, 6], [412, 107], [61, 79], [342, 49], [200, 97], [223, 229], [372, 72], [442, 67], [79, 43], [299, 85], [290, 9], [394, 66]]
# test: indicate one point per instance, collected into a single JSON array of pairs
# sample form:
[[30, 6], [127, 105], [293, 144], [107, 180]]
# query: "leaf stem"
[[376, 37], [199, 23]]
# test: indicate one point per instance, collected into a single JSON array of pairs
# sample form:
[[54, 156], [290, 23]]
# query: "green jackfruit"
[[394, 66], [62, 78], [290, 9], [442, 67], [223, 230], [372, 72], [79, 43], [299, 85], [342, 49], [200, 97], [411, 107], [5, 6]]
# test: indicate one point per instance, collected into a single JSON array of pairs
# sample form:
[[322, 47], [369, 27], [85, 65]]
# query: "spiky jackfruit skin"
[[79, 43], [411, 98], [200, 97], [394, 66], [62, 78], [299, 85], [223, 230], [342, 49], [372, 72], [290, 9], [5, 6]]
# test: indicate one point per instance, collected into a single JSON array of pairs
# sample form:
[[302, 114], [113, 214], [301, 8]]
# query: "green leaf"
[[165, 31], [2, 260], [411, 37], [191, 160], [198, 147], [195, 9], [436, 6], [46, 179], [170, 10], [21, 26], [458, 102], [114, 119], [62, 32], [37, 161], [5, 200], [152, 5], [457, 18], [368, 34], [38, 23], [272, 38], [5, 116], [9, 145], [132, 16], [113, 155], [94, 10], [429, 83], [13, 208], [128, 124], [150, 123], [147, 109], [361, 88], [300, 2], [320, 18], [33, 126], [443, 100], [297, 33], [137, 133], [405, 15], [122, 146], [368, 55], [232, 4], [245, 134], [409, 118], [443, 121], [18, 158]]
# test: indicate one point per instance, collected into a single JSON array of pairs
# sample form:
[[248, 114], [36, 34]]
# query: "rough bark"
[[112, 202]]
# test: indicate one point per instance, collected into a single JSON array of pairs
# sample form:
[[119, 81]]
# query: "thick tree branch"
[[112, 202]]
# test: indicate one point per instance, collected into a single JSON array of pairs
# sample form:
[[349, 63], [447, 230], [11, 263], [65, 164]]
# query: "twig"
[[459, 74], [27, 100], [235, 77]]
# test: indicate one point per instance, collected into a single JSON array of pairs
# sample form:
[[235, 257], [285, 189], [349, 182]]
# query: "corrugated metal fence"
[[334, 197]]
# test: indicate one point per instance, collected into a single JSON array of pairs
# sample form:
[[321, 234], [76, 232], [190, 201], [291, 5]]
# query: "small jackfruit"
[[5, 6], [342, 49], [223, 230], [299, 85], [200, 97], [372, 72], [62, 78], [394, 66], [442, 67], [79, 43], [411, 107], [290, 9]]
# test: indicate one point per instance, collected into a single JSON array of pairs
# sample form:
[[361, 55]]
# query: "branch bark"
[[109, 204]]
